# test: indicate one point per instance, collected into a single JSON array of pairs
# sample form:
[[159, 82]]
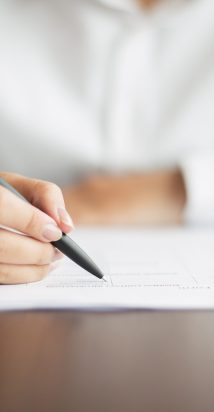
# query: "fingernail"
[[65, 217], [51, 232], [57, 255]]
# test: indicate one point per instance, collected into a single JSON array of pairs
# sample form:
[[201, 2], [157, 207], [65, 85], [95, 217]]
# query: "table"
[[116, 362]]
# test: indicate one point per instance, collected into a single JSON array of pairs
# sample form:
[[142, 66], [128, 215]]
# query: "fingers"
[[29, 258], [48, 197], [19, 215], [22, 250], [23, 259], [44, 196], [15, 274]]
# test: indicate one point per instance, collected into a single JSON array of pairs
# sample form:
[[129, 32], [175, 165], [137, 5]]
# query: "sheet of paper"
[[167, 268]]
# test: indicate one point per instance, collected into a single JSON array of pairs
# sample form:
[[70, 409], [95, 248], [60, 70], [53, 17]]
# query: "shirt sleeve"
[[196, 158], [198, 172]]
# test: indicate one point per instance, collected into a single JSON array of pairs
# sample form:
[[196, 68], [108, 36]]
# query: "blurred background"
[[112, 100]]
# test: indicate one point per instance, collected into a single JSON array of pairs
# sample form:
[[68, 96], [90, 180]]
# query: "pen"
[[66, 245]]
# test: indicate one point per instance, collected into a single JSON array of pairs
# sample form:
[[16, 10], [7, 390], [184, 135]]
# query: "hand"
[[145, 199], [147, 3], [29, 258]]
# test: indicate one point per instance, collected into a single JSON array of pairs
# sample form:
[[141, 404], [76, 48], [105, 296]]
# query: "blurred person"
[[113, 101]]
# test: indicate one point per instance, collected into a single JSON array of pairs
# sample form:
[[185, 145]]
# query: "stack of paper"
[[167, 268]]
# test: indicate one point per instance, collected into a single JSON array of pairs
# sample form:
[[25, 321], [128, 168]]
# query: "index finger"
[[23, 217], [45, 196]]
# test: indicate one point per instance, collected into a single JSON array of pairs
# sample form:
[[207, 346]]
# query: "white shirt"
[[99, 85]]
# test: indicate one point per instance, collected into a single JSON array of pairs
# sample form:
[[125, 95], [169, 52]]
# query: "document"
[[145, 268]]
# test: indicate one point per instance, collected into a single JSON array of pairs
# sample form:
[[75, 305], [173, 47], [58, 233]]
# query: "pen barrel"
[[69, 248], [7, 186]]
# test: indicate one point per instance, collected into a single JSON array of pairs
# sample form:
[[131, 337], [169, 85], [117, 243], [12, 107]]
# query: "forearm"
[[147, 199]]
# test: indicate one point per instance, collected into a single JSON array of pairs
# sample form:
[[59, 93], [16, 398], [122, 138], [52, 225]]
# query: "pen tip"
[[104, 279]]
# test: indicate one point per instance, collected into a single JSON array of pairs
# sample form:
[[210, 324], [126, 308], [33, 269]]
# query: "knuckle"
[[49, 187], [46, 255], [3, 245], [31, 223], [4, 274], [54, 187]]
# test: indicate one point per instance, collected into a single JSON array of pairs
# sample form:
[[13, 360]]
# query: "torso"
[[85, 87]]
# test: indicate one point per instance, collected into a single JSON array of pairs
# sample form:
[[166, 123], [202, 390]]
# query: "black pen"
[[66, 245]]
